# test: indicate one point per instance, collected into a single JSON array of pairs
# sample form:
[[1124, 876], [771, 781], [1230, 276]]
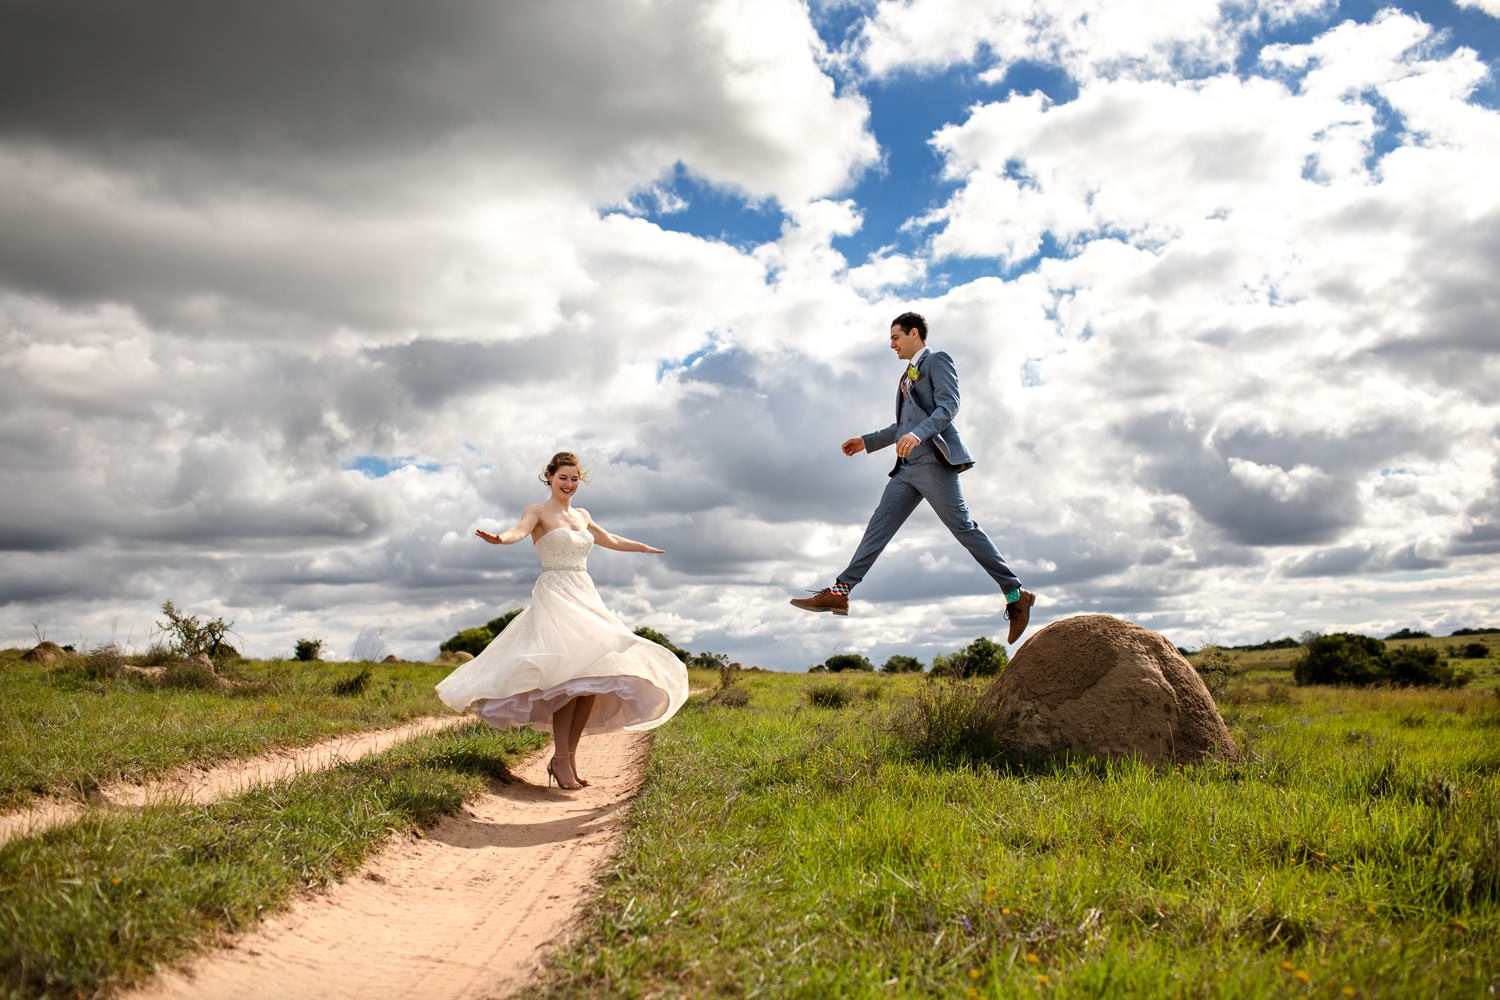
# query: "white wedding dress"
[[568, 644]]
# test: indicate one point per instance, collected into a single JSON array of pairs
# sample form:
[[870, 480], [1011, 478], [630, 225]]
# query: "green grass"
[[780, 849], [92, 906], [64, 733]]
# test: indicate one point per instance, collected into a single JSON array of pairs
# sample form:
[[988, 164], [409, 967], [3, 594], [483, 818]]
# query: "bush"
[[839, 662], [902, 664], [1215, 667], [103, 662], [190, 635], [1407, 633], [1346, 658], [190, 673], [309, 649], [1341, 658], [1474, 651], [949, 722], [828, 695], [981, 658], [470, 640], [353, 685], [1413, 667], [646, 632]]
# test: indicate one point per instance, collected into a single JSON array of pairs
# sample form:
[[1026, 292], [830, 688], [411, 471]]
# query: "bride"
[[566, 663]]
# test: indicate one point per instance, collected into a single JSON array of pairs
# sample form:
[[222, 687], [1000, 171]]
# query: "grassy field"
[[64, 732], [92, 906], [781, 849]]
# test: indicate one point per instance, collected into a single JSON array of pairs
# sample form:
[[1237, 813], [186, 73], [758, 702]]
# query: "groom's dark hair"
[[910, 321]]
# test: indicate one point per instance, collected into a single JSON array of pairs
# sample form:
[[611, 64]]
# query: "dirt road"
[[209, 784], [468, 909]]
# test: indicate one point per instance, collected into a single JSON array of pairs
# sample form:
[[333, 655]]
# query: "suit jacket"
[[935, 395]]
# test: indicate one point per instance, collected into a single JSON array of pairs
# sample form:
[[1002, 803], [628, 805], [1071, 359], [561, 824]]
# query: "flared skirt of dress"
[[567, 644]]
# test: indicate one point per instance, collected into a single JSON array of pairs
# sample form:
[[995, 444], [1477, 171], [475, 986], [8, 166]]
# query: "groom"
[[929, 457]]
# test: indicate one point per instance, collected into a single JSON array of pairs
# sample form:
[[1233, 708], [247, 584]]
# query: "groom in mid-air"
[[929, 457]]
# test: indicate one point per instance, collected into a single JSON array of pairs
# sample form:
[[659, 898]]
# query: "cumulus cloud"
[[280, 340]]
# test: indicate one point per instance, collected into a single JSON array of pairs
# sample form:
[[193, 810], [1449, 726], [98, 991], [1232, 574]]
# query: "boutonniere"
[[912, 374]]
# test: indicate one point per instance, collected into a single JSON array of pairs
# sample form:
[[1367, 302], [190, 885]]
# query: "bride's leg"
[[562, 741], [582, 706]]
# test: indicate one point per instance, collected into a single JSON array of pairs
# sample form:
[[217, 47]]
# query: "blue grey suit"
[[930, 472]]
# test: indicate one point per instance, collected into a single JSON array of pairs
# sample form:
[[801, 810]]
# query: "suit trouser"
[[938, 485]]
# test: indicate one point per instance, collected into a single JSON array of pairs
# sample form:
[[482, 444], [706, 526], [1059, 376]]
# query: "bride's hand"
[[653, 550], [492, 539]]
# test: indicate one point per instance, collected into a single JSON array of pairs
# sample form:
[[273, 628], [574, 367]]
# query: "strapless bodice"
[[565, 549]]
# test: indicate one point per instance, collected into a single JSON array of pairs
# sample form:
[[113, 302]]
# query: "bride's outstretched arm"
[[520, 530], [619, 542]]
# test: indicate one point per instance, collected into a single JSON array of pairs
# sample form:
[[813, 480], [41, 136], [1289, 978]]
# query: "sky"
[[293, 297]]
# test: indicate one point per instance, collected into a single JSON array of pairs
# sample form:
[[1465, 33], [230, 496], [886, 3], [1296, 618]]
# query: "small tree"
[[470, 640], [647, 632], [839, 662], [1215, 667], [1409, 633], [902, 664], [708, 661], [190, 636], [309, 649], [497, 625], [981, 658]]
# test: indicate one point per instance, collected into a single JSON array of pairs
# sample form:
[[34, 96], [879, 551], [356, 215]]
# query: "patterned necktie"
[[906, 383]]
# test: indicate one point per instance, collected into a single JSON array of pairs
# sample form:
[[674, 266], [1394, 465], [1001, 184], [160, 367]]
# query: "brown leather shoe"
[[1019, 613], [824, 600]]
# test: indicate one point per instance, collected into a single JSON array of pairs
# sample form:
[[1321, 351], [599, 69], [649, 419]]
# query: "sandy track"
[[465, 910], [208, 784]]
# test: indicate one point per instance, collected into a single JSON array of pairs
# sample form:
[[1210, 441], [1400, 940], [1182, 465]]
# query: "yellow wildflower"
[[1302, 976], [1286, 966], [1032, 958], [973, 973], [1043, 980]]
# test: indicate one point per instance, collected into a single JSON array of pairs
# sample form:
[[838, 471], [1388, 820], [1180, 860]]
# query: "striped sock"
[[840, 588], [1012, 596]]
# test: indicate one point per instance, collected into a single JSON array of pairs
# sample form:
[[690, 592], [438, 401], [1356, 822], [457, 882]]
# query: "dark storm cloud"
[[1177, 459], [327, 94]]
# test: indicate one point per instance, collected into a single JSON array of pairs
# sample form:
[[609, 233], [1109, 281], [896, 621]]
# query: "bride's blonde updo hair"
[[559, 460]]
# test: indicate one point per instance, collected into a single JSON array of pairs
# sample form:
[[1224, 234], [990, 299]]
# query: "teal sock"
[[1012, 596], [840, 588]]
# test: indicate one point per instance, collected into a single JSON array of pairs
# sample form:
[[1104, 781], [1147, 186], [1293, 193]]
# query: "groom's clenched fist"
[[854, 446]]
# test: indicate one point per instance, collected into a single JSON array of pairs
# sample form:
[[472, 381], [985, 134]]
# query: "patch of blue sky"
[[376, 466], [906, 110], [684, 203], [667, 365]]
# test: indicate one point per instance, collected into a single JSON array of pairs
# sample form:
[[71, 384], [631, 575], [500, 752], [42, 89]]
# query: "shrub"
[[1408, 633], [103, 662], [1413, 667], [1347, 658], [708, 661], [309, 649], [353, 685], [189, 673], [497, 625], [839, 662], [902, 664], [1215, 667], [470, 640], [190, 635], [828, 695], [646, 632], [1475, 651], [735, 697], [981, 658], [1340, 658], [949, 722]]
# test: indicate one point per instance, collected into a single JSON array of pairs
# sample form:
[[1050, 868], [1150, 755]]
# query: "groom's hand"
[[854, 446], [907, 444]]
